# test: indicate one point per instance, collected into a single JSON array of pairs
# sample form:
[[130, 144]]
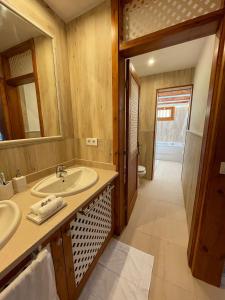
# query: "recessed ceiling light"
[[151, 61]]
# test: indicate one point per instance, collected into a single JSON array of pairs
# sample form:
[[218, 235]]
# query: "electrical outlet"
[[92, 142]]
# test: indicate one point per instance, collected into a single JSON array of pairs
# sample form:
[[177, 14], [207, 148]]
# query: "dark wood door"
[[132, 119]]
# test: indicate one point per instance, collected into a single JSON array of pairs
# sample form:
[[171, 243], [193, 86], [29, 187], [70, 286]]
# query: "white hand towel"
[[36, 282], [35, 207], [50, 207]]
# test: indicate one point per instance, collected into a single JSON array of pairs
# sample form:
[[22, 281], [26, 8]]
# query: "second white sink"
[[9, 220], [77, 180]]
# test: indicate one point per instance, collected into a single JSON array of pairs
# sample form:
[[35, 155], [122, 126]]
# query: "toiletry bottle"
[[19, 182]]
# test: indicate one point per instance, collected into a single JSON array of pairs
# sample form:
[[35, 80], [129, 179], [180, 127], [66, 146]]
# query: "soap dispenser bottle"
[[19, 182], [6, 188]]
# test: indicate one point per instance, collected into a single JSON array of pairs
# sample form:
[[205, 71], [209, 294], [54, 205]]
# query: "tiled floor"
[[158, 226]]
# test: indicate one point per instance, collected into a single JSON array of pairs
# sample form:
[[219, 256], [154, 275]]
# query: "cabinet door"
[[85, 238], [56, 243]]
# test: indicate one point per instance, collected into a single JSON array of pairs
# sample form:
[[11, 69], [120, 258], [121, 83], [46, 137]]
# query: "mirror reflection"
[[27, 80]]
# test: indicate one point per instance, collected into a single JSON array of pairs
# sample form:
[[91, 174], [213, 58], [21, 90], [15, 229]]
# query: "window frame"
[[172, 109]]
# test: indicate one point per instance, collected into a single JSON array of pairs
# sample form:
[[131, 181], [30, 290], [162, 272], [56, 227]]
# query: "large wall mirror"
[[28, 91]]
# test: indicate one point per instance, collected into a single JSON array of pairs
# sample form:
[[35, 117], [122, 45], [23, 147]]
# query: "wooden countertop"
[[29, 235]]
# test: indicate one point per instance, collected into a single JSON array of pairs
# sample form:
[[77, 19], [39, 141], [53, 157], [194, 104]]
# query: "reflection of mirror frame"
[[14, 143]]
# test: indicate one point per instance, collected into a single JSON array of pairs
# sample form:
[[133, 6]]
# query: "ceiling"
[[14, 30], [67, 10], [178, 57]]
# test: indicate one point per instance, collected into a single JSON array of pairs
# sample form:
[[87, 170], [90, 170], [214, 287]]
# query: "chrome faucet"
[[60, 171]]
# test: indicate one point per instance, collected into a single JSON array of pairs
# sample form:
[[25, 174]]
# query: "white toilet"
[[141, 171]]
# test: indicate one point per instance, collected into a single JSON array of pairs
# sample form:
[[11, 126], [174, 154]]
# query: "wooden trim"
[[15, 109], [135, 75], [20, 80], [3, 103], [34, 62], [23, 79], [183, 32], [58, 257], [130, 73], [118, 88], [130, 208], [171, 118], [20, 48], [175, 87], [115, 78], [68, 256], [190, 109], [191, 86], [206, 245]]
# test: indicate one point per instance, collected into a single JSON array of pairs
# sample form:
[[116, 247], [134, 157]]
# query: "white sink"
[[75, 181], [9, 220]]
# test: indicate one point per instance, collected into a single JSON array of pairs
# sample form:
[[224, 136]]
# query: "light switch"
[[222, 168]]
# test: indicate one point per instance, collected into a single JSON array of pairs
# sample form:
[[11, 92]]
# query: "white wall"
[[201, 86], [193, 144], [31, 107]]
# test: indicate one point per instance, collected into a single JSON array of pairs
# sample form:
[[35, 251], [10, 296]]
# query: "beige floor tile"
[[164, 290], [176, 267], [158, 226], [169, 230], [141, 241], [169, 192], [206, 291]]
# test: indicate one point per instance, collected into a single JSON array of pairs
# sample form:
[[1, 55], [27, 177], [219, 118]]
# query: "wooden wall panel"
[[149, 85], [190, 171], [46, 79], [35, 157], [90, 61]]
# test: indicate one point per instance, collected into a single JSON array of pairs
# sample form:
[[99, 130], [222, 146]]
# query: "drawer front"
[[89, 230]]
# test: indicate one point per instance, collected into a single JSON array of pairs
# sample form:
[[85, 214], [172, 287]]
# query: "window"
[[165, 113]]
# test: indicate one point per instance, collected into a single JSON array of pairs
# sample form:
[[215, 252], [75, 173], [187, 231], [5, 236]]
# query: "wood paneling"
[[190, 170], [35, 157], [90, 61], [47, 84], [149, 86]]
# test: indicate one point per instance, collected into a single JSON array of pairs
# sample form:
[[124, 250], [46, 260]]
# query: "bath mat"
[[122, 273]]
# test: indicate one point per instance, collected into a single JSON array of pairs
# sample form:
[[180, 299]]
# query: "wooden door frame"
[[155, 122], [13, 83], [211, 23], [131, 73]]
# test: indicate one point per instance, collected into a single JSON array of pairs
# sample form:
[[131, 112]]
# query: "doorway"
[[213, 143], [173, 108]]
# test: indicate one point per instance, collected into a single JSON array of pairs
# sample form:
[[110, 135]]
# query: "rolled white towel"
[[34, 208], [50, 207]]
